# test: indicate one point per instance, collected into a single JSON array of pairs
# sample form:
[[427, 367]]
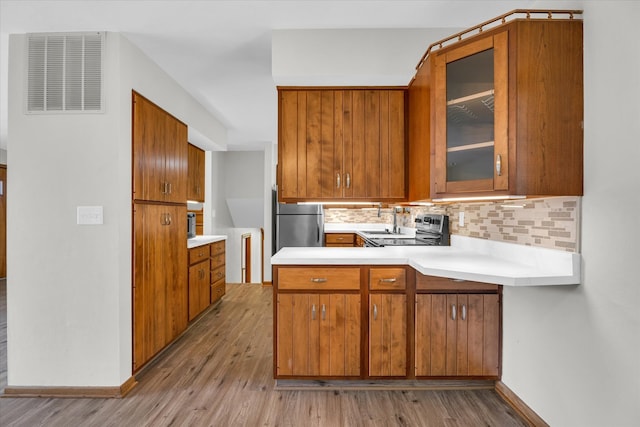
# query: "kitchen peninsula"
[[402, 312]]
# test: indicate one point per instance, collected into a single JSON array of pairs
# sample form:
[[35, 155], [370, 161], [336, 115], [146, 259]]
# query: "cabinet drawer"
[[198, 254], [217, 247], [346, 239], [387, 278], [433, 283], [217, 274], [218, 289], [217, 261], [319, 278]]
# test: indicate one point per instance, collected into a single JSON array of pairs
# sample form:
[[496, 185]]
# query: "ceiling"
[[220, 51]]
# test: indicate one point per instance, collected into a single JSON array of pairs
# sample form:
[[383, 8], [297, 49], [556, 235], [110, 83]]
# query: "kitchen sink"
[[376, 232]]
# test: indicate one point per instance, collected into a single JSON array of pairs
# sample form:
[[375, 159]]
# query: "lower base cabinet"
[[388, 335], [318, 334], [457, 335]]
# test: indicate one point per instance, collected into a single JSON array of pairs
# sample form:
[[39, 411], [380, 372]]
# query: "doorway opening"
[[245, 258]]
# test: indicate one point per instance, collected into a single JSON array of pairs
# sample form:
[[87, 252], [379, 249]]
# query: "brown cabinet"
[[341, 144], [339, 239], [387, 335], [159, 154], [199, 283], [218, 275], [159, 278], [457, 334], [507, 111], [160, 282], [387, 322], [195, 186], [318, 334]]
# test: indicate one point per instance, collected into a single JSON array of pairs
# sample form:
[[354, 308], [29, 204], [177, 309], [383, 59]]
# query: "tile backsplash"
[[552, 222]]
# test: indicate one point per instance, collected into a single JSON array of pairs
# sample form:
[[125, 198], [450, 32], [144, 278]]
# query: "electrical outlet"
[[461, 219]]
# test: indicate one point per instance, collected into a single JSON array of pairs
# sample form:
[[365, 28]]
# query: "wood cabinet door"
[[148, 145], [195, 186], [387, 335], [160, 279], [471, 115], [457, 335], [199, 288], [336, 144], [176, 160], [159, 154], [318, 335]]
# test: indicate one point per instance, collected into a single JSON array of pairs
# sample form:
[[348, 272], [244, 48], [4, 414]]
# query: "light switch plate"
[[90, 215], [461, 219]]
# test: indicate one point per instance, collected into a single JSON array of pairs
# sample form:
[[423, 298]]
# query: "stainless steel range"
[[431, 230]]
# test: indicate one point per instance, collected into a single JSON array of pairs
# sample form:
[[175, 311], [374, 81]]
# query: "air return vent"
[[65, 72]]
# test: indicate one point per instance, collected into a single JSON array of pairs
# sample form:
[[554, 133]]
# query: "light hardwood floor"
[[219, 373]]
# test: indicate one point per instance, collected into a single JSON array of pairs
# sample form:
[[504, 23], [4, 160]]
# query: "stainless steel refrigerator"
[[298, 225]]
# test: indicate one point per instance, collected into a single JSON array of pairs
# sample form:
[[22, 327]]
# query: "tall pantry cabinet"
[[159, 229]]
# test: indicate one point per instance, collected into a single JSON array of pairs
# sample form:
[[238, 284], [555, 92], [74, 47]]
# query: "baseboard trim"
[[519, 406], [267, 284], [75, 392]]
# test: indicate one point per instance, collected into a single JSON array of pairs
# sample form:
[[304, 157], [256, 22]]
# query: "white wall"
[[571, 353], [3, 157], [357, 57], [69, 286]]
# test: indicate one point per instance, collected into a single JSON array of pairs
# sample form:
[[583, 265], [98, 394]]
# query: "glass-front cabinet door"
[[471, 113]]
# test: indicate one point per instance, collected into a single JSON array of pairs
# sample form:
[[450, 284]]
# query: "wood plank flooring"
[[219, 373]]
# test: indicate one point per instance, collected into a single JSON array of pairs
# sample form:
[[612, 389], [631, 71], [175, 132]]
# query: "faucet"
[[395, 221]]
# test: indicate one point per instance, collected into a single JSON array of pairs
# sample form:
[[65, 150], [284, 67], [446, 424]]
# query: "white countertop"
[[467, 258], [204, 240]]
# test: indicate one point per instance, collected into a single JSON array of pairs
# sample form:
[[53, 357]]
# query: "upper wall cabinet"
[[159, 154], [506, 111], [195, 186], [346, 144]]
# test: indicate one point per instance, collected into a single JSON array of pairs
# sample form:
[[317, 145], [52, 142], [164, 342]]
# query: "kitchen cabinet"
[[457, 329], [218, 275], [337, 144], [199, 283], [159, 278], [507, 111], [387, 322], [160, 263], [318, 334], [339, 239], [317, 324], [159, 154], [195, 175]]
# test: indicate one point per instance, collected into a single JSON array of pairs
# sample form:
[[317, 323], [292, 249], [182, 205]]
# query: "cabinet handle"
[[164, 188], [324, 312], [318, 279], [313, 312], [169, 188], [499, 165], [337, 180], [391, 280], [348, 180], [464, 312], [453, 312], [375, 312], [169, 219]]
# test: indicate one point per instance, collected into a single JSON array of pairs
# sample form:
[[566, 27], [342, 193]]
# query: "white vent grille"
[[65, 72]]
